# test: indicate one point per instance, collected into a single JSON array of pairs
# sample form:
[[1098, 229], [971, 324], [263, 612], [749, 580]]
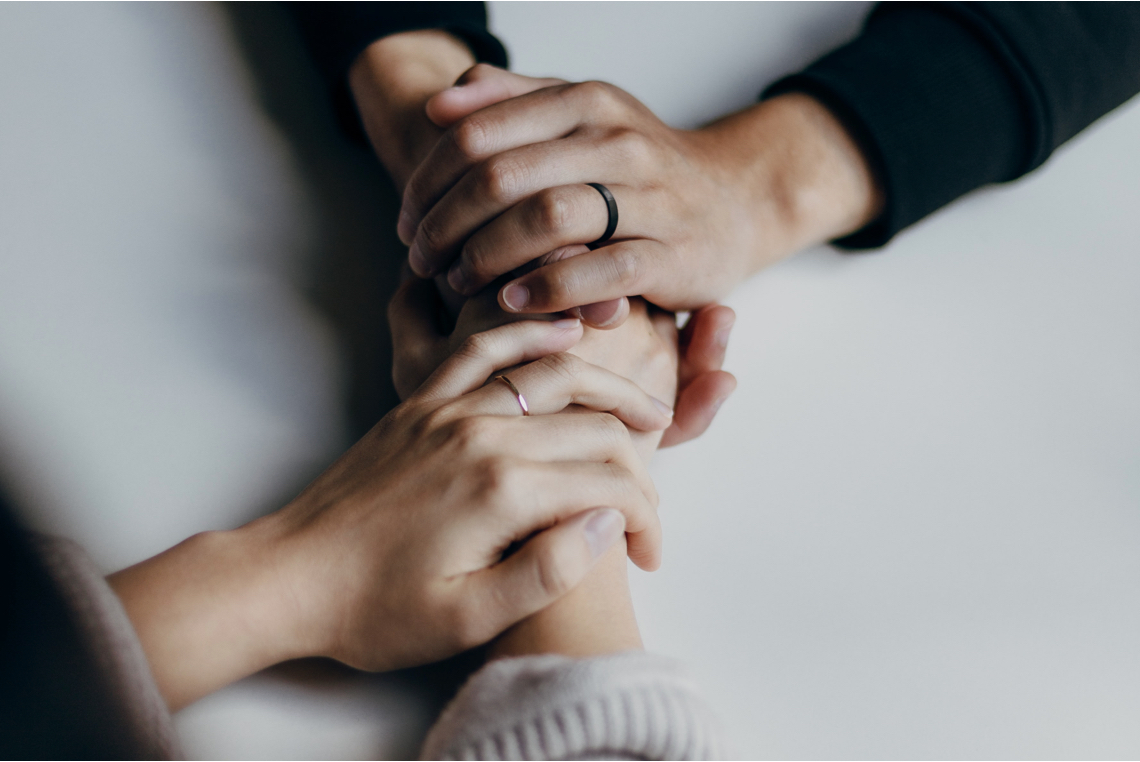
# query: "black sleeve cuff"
[[930, 107]]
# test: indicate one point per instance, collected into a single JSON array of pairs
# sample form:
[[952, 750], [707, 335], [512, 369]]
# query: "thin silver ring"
[[515, 390]]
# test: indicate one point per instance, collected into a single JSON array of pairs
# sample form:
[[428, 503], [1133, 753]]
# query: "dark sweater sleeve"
[[946, 97], [335, 33], [58, 699]]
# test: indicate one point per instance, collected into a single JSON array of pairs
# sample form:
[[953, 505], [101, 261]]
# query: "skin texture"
[[395, 555], [393, 82], [700, 210], [598, 616]]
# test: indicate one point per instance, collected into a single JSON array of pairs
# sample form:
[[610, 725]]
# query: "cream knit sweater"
[[629, 705]]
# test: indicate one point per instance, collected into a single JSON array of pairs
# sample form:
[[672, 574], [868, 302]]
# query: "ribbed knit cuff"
[[631, 705], [930, 103]]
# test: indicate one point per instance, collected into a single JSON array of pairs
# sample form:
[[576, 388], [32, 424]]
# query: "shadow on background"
[[357, 259], [356, 268]]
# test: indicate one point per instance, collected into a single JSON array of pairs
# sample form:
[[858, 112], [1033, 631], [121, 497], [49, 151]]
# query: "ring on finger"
[[611, 209], [515, 391]]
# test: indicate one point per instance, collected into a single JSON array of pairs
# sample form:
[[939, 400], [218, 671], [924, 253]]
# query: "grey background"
[[913, 532]]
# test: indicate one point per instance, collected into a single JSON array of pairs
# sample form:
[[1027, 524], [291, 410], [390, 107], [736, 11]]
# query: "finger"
[[626, 268], [543, 222], [603, 315], [551, 384], [543, 115], [532, 118], [482, 354], [697, 405], [536, 495], [703, 341], [417, 344], [480, 86], [506, 178], [546, 567], [583, 436]]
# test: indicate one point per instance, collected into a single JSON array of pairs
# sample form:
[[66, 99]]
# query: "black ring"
[[611, 207]]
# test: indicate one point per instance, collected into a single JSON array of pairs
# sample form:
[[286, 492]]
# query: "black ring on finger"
[[611, 207]]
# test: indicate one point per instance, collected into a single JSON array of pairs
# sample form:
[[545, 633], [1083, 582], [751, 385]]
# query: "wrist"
[[211, 610], [803, 179], [391, 82], [593, 619]]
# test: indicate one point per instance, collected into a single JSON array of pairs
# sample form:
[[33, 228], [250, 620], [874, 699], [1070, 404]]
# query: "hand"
[[393, 79], [698, 210], [394, 556], [419, 346]]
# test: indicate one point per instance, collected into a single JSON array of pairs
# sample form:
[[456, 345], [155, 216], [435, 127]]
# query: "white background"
[[913, 532]]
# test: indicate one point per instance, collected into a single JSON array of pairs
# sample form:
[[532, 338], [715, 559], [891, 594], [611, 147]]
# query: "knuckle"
[[614, 429], [627, 267], [598, 96], [554, 286], [497, 482], [477, 72], [564, 365], [473, 432], [439, 419], [477, 346], [553, 211], [472, 137], [476, 256], [630, 492], [431, 233], [633, 148], [500, 179]]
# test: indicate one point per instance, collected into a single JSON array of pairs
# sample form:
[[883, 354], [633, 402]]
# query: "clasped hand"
[[505, 185], [395, 555]]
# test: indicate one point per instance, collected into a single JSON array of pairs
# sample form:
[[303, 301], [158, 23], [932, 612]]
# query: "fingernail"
[[404, 227], [601, 314], [457, 278], [602, 530], [417, 260], [665, 409], [716, 405], [516, 296], [721, 337], [565, 324]]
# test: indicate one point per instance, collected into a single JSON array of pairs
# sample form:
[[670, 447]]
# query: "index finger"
[[546, 114]]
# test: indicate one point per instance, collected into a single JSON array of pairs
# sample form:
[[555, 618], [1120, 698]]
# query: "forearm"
[[210, 611], [392, 80]]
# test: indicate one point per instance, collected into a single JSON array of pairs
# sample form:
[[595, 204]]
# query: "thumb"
[[480, 86], [548, 565]]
